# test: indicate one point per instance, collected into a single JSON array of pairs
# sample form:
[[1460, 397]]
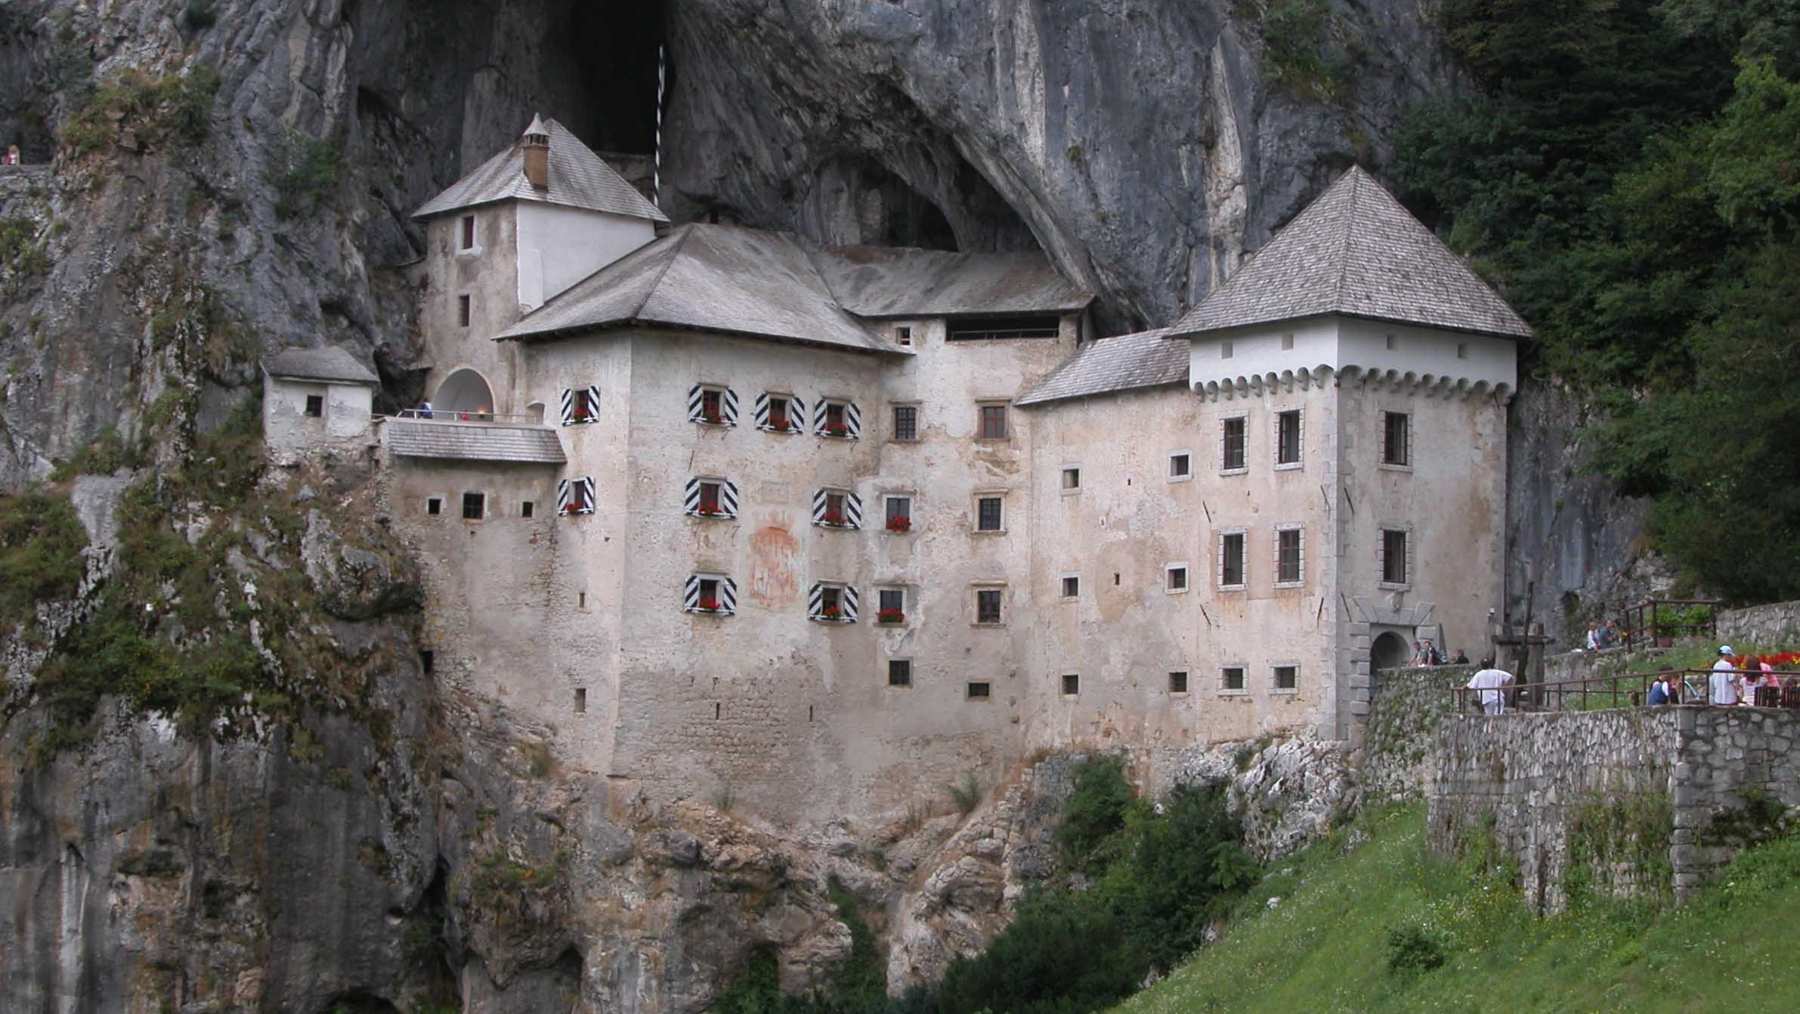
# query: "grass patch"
[[168, 109], [41, 541], [966, 794], [305, 172], [1363, 930]]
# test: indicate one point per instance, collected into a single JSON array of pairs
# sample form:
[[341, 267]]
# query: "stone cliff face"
[[213, 179]]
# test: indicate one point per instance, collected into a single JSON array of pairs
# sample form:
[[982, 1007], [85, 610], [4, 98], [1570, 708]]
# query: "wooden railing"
[[1656, 620]]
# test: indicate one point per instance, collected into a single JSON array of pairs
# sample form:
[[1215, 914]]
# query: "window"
[[580, 700], [993, 422], [831, 602], [1396, 438], [899, 672], [987, 514], [1071, 684], [315, 405], [709, 497], [1231, 679], [899, 514], [710, 593], [1391, 343], [575, 496], [1462, 350], [463, 309], [1180, 466], [434, 505], [995, 328], [526, 508], [474, 506], [1287, 677], [1287, 438], [1393, 556], [1287, 556], [1287, 341], [427, 661], [987, 606], [711, 405], [1178, 682], [1071, 586], [1231, 560], [903, 334], [468, 233], [893, 599], [980, 690], [779, 413], [580, 405], [906, 422], [1175, 578], [1071, 479], [1232, 434], [838, 419], [1224, 350], [837, 508]]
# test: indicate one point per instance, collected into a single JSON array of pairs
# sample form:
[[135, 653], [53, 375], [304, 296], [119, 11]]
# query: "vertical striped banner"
[[656, 164]]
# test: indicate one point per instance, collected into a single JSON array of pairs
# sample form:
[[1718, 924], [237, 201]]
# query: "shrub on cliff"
[[41, 541]]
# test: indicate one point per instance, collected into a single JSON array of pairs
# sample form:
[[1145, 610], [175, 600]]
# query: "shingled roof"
[[473, 442], [899, 282], [328, 364], [1128, 362], [578, 179], [721, 278], [1355, 251]]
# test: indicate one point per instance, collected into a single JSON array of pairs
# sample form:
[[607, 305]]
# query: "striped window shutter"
[[852, 418], [727, 595], [580, 405], [728, 497], [796, 412], [728, 404], [568, 406], [575, 496], [853, 510], [847, 602], [852, 507]]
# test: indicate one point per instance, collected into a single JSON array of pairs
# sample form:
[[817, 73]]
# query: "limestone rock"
[[1288, 792]]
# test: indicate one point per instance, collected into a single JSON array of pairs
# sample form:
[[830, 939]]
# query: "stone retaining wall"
[[1537, 787], [1406, 707], [1736, 770], [1773, 625]]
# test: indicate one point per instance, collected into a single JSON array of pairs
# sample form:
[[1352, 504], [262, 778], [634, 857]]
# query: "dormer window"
[[712, 405], [466, 233]]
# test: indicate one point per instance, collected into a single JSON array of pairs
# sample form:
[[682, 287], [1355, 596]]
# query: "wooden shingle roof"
[[1355, 251], [327, 363]]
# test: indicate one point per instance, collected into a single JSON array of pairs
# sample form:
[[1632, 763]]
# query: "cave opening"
[[611, 48]]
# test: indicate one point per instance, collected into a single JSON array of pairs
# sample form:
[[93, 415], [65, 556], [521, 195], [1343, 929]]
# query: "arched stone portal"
[[464, 391], [1390, 651]]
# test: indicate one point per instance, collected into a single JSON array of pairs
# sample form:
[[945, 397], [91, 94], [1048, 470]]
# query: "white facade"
[[300, 413]]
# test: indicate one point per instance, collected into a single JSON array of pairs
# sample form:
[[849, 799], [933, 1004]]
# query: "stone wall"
[[1773, 625], [1736, 772], [1560, 793], [1406, 708]]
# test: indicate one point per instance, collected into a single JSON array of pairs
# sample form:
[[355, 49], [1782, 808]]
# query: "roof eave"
[[625, 322], [1134, 388], [1528, 334]]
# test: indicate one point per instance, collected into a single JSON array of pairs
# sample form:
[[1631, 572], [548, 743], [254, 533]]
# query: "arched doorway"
[[464, 391], [1390, 651]]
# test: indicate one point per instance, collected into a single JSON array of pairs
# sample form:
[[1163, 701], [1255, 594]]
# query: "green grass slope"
[[1382, 926]]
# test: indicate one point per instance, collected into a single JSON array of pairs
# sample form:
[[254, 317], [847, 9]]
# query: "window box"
[[890, 617], [833, 519], [899, 524], [837, 429], [832, 613], [709, 605]]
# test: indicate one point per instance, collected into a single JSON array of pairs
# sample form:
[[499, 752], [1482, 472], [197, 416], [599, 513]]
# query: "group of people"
[[1602, 636], [1425, 653], [1751, 683], [11, 156]]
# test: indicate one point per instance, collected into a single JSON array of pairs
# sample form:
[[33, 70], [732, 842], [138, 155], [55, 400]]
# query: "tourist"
[[1432, 656], [1462, 657], [1418, 655], [12, 154], [1609, 638], [1662, 691], [424, 409], [1723, 683], [1593, 638], [1490, 685]]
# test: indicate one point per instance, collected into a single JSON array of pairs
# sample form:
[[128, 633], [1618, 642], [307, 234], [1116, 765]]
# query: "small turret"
[[536, 145]]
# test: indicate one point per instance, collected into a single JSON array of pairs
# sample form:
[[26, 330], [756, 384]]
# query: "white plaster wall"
[[348, 410], [560, 246], [489, 275], [1343, 343], [286, 426]]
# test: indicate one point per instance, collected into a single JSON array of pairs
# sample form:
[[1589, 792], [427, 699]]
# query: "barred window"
[[1287, 556], [906, 422], [1232, 458]]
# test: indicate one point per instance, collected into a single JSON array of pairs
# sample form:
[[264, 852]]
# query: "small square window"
[[1224, 350], [1232, 432], [1287, 342], [315, 405], [899, 672], [1396, 438], [778, 414], [434, 505], [836, 420], [474, 506], [1231, 560], [831, 600], [527, 509], [1393, 556], [709, 497], [1176, 579], [1071, 587], [906, 423], [1180, 466], [464, 309], [580, 700], [1071, 684], [1287, 438], [712, 407], [899, 514], [993, 422], [987, 606], [903, 334], [891, 600], [1462, 350], [1071, 479], [1178, 682], [980, 691], [1231, 679], [987, 514], [1391, 343], [1287, 556], [468, 232], [1287, 677]]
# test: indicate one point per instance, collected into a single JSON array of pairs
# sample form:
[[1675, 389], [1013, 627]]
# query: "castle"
[[725, 513]]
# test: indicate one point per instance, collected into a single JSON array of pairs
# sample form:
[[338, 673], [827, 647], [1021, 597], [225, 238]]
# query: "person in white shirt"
[[1593, 638], [1723, 683], [1490, 686]]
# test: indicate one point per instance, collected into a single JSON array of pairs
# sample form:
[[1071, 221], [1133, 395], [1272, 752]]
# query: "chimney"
[[537, 154]]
